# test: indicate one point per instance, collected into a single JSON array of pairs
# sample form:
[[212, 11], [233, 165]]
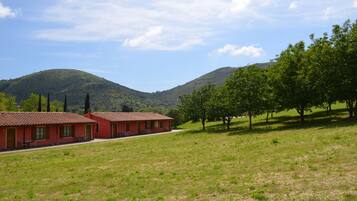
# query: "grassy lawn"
[[275, 161]]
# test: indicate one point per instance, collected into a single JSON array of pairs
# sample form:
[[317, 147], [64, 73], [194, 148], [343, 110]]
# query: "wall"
[[24, 136], [104, 130]]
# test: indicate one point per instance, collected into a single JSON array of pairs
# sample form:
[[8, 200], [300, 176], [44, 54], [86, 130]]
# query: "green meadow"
[[279, 160]]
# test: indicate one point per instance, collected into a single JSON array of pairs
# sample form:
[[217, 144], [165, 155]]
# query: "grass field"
[[281, 160]]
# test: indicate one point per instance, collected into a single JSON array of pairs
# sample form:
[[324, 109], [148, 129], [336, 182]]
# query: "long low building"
[[120, 124], [34, 129]]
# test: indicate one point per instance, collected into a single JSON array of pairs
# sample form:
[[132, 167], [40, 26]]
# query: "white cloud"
[[354, 3], [6, 11], [329, 13], [293, 5], [235, 50], [239, 5], [152, 24], [172, 24]]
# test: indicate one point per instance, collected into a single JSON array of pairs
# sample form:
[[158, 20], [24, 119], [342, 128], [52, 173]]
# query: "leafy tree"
[[177, 116], [271, 103], [292, 81], [31, 103], [344, 41], [57, 106], [65, 104], [325, 75], [39, 105], [220, 106], [248, 86], [126, 108], [7, 102], [48, 103], [196, 105], [87, 104]]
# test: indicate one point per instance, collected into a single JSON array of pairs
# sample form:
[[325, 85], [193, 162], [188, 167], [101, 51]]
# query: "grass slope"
[[278, 161]]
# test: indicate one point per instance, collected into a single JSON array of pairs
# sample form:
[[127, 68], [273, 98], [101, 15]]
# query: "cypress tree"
[[48, 103], [87, 105], [39, 107], [65, 104]]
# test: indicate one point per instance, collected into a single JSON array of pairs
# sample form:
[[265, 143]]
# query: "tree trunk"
[[228, 123], [301, 112], [250, 120], [349, 105], [267, 118], [355, 109], [224, 120], [203, 121]]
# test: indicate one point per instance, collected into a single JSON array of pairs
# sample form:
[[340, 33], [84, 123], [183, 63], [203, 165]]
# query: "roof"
[[130, 116], [40, 118]]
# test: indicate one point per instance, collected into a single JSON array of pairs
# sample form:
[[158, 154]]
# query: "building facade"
[[121, 124], [34, 129]]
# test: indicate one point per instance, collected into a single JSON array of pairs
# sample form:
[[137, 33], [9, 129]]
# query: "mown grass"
[[276, 161]]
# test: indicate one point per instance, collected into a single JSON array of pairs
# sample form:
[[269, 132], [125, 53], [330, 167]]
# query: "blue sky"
[[154, 45]]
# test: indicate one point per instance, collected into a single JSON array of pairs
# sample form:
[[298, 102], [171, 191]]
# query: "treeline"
[[300, 78], [34, 103]]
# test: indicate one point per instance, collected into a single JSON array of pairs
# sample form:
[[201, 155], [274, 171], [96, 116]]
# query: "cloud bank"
[[172, 24]]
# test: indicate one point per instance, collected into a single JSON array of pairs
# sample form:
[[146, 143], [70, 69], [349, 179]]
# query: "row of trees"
[[39, 103], [300, 77]]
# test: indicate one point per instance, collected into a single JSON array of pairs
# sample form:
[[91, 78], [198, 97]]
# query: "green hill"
[[216, 77], [105, 95]]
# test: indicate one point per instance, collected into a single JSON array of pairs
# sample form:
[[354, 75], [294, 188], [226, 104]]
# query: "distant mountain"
[[216, 77], [105, 95]]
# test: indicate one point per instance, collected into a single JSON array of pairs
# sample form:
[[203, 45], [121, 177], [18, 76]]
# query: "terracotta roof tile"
[[40, 118], [130, 116]]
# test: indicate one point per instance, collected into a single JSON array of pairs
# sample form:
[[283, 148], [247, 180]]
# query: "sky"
[[155, 45]]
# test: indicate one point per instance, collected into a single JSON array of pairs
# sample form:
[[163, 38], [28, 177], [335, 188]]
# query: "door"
[[139, 127], [88, 132], [11, 138], [114, 130]]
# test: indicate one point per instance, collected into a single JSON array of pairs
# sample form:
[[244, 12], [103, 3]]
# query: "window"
[[147, 124], [152, 124], [67, 131], [40, 133], [127, 126], [156, 124], [161, 124]]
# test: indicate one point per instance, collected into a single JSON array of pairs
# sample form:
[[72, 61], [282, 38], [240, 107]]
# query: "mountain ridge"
[[106, 95]]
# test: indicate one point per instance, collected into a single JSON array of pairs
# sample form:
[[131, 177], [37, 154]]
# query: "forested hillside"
[[105, 95]]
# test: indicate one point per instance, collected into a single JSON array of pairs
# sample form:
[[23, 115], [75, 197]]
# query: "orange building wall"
[[24, 134]]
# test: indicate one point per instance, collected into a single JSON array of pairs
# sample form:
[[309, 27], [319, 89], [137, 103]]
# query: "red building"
[[34, 129], [119, 124]]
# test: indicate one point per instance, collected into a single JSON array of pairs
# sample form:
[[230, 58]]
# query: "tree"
[[220, 106], [57, 106], [87, 104], [7, 102], [31, 103], [65, 104], [48, 103], [39, 105], [344, 42], [292, 81], [177, 116], [271, 103], [248, 86], [325, 74], [126, 108], [195, 105]]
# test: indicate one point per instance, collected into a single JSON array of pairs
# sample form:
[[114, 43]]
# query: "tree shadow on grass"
[[319, 120]]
